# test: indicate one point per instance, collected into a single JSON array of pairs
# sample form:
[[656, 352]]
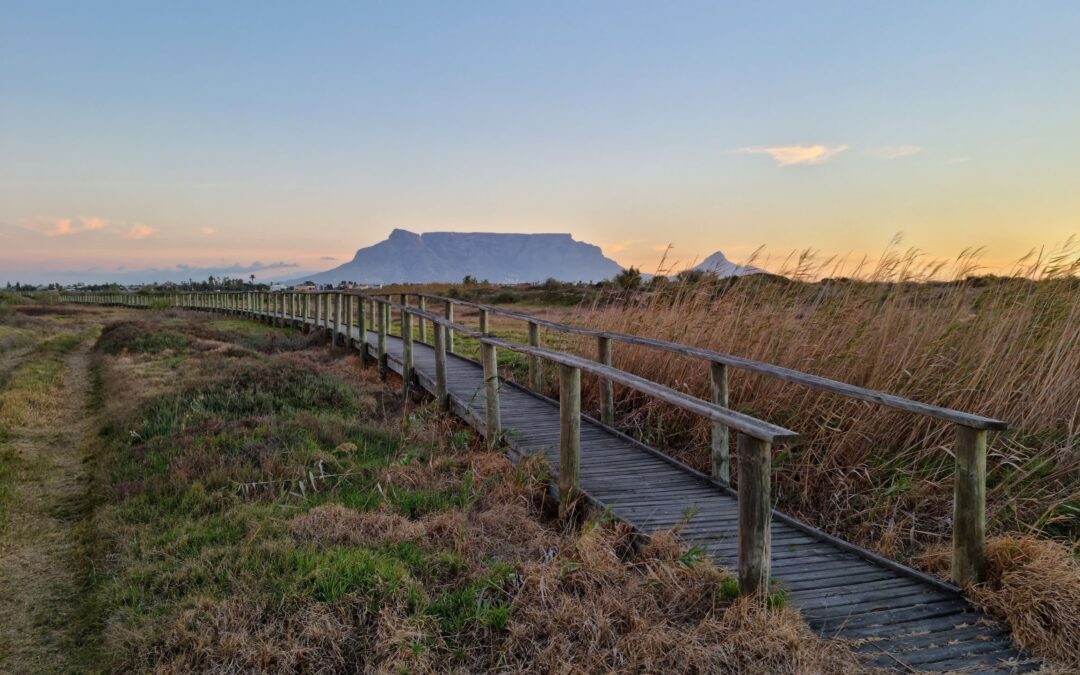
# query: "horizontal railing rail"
[[760, 367]]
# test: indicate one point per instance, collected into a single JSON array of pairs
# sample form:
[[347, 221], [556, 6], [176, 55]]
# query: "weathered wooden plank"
[[913, 626], [1005, 659], [951, 652]]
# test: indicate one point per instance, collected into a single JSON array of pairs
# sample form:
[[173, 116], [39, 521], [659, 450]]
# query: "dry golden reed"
[[1004, 347]]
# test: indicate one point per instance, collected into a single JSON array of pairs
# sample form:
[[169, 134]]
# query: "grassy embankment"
[[266, 505]]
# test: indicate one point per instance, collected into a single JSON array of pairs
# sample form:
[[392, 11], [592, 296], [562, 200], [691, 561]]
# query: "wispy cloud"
[[207, 231], [896, 151], [65, 227], [62, 227], [792, 155], [328, 258], [139, 231]]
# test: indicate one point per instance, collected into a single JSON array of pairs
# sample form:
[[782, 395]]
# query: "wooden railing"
[[969, 503], [755, 437]]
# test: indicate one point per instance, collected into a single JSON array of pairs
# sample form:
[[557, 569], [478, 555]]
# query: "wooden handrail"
[[788, 374], [748, 425]]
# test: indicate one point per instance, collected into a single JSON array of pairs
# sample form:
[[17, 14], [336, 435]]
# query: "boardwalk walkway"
[[898, 618]]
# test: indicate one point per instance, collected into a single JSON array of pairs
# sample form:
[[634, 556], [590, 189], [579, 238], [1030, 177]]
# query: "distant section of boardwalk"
[[897, 617]]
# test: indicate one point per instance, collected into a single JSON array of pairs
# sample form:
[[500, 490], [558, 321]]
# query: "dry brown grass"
[[1006, 348], [1034, 585]]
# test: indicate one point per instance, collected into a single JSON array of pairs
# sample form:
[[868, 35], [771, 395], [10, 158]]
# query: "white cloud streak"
[[794, 155], [889, 152]]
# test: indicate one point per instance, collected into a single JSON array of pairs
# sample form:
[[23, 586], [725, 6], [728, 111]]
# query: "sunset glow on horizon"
[[274, 139]]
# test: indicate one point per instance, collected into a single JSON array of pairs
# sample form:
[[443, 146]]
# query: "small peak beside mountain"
[[718, 264]]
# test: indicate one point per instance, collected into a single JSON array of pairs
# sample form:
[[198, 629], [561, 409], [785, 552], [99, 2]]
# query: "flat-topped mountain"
[[722, 267], [407, 257]]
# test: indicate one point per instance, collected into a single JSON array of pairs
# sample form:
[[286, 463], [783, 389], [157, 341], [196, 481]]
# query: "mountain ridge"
[[409, 257]]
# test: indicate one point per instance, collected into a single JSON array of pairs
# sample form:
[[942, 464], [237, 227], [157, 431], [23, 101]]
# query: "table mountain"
[[407, 257]]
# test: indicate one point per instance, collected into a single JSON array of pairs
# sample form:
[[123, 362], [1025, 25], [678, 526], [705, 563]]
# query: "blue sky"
[[149, 135]]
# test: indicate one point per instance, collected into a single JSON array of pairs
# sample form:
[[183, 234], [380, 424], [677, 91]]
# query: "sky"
[[147, 139]]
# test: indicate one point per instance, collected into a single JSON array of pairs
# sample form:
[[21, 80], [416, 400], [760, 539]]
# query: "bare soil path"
[[40, 559]]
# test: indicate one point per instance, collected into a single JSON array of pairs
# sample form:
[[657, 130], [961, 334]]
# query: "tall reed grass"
[[1006, 347]]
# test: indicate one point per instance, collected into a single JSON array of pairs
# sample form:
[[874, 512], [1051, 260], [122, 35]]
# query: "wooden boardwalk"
[[898, 619]]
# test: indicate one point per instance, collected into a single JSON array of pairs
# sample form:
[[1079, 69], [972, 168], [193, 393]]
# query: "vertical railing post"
[[406, 353], [535, 376], [755, 514], [569, 436], [607, 387], [969, 507], [421, 303], [721, 462], [335, 339], [492, 416], [328, 310], [305, 309], [361, 327], [384, 319], [484, 321], [441, 390], [449, 330], [348, 299], [318, 311]]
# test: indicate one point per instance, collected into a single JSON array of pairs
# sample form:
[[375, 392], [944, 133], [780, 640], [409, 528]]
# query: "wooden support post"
[[569, 436], [492, 417], [484, 321], [281, 309], [421, 303], [755, 515], [442, 393], [335, 337], [721, 462], [305, 309], [449, 330], [384, 319], [361, 320], [607, 388], [406, 354], [348, 320], [318, 311], [535, 376], [969, 507]]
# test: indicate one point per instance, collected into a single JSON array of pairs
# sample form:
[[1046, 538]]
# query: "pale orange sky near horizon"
[[295, 137]]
